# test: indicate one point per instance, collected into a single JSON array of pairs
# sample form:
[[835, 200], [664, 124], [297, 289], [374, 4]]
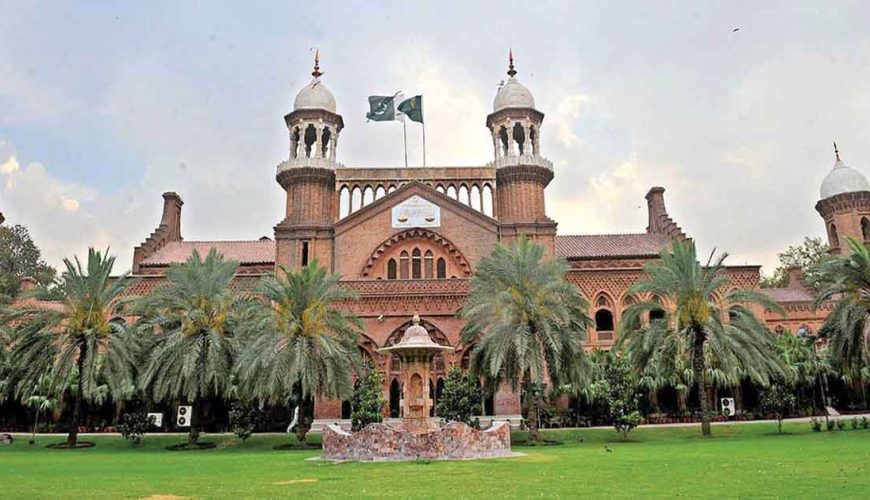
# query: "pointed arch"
[[343, 202], [865, 228], [448, 247], [487, 200], [355, 199]]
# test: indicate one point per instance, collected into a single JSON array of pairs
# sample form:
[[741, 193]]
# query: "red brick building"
[[408, 239]]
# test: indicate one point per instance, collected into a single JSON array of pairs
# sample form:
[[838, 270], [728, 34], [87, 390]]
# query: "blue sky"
[[105, 105]]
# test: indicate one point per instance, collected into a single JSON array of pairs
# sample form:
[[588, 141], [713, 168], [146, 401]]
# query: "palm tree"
[[527, 322], [299, 344], [83, 344], [192, 321], [698, 332], [846, 280]]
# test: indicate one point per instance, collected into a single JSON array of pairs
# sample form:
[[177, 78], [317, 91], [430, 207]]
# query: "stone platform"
[[383, 442]]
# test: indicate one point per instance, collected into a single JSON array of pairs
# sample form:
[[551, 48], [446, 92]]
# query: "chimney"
[[167, 231], [655, 202], [796, 278], [26, 285], [172, 216], [659, 220]]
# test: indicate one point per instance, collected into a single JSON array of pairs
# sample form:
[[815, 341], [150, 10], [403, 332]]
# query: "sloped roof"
[[789, 294], [591, 246], [246, 252]]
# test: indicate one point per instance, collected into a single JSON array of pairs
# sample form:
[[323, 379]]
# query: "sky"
[[106, 105]]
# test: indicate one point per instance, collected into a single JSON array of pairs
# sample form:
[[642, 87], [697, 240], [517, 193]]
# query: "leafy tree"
[[808, 256], [741, 344], [526, 321], [20, 258], [243, 419], [299, 343], [616, 386], [134, 425], [40, 400], [193, 319], [806, 367], [368, 398], [82, 344], [846, 280], [461, 399], [779, 399]]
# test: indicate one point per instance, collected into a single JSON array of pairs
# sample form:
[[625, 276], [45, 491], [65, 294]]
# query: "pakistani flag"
[[383, 108], [412, 108]]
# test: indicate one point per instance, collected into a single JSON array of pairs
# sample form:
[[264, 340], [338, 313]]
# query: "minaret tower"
[[844, 205], [308, 177], [521, 172]]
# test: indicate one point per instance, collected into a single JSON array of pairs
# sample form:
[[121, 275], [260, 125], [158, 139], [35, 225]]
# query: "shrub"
[[779, 399], [841, 424], [617, 390], [134, 425], [461, 399], [816, 425], [368, 399], [854, 423], [243, 419], [865, 422], [830, 424]]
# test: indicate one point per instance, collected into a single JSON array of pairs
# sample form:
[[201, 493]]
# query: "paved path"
[[681, 424]]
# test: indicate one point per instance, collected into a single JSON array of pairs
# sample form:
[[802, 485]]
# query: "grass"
[[740, 460]]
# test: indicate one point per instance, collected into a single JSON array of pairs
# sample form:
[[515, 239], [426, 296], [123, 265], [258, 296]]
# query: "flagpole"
[[405, 135], [424, 142]]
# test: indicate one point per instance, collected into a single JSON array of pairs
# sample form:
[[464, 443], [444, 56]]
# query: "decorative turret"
[[308, 176], [844, 205], [522, 173], [314, 124], [167, 231]]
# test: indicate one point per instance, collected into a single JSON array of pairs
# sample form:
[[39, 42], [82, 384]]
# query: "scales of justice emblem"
[[416, 212]]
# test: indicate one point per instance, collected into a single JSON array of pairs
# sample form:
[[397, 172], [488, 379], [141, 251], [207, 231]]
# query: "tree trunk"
[[701, 378], [534, 413], [303, 425], [72, 437], [193, 435], [653, 401]]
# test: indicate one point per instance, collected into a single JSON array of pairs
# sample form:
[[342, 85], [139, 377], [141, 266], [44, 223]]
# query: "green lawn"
[[740, 460]]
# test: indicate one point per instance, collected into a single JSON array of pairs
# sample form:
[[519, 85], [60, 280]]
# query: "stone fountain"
[[418, 435]]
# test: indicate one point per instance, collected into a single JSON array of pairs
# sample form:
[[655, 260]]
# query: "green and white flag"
[[412, 108], [382, 108]]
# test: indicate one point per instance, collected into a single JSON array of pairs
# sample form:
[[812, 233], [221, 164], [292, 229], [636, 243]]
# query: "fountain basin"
[[383, 442]]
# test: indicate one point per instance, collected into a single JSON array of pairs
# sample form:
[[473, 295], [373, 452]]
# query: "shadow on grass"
[[81, 445]]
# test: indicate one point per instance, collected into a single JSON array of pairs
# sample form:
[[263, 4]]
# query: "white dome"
[[315, 95], [513, 94], [843, 179]]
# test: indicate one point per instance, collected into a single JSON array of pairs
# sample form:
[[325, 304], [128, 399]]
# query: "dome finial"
[[316, 73], [416, 319], [836, 151], [511, 71]]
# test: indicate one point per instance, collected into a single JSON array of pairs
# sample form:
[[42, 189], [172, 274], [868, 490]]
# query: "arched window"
[[428, 271], [865, 228], [487, 200], [603, 321], [451, 191], [475, 197], [395, 396], [833, 239], [416, 265], [441, 271], [324, 146], [657, 314], [463, 194], [439, 188], [344, 202], [403, 265], [368, 195], [380, 192], [391, 189], [355, 199], [310, 138], [503, 138], [519, 138], [391, 269]]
